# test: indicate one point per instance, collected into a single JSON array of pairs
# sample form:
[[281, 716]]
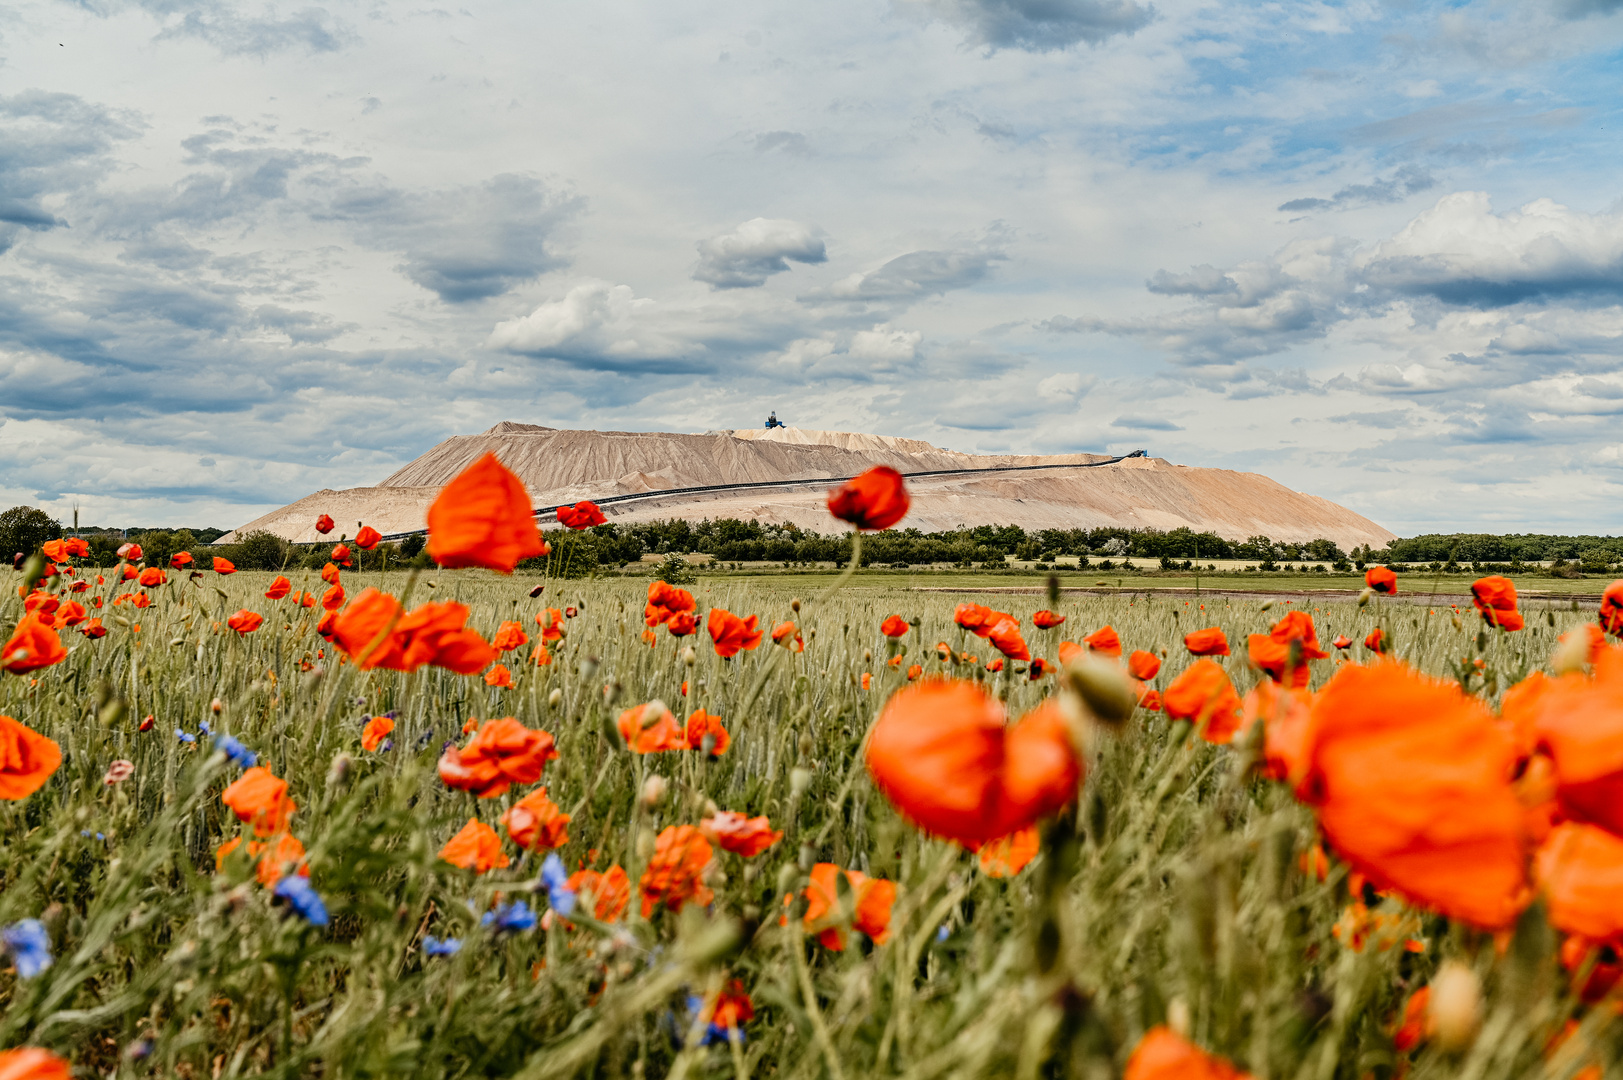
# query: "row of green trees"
[[24, 529]]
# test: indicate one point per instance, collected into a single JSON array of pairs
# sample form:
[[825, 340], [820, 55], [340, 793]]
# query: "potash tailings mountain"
[[564, 466]]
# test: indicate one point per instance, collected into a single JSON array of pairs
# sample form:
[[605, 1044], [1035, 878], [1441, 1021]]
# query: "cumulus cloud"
[[53, 145], [596, 322], [885, 344], [757, 249], [1456, 258], [1038, 25], [917, 275]]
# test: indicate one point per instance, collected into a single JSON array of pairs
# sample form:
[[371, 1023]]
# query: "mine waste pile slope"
[[563, 466]]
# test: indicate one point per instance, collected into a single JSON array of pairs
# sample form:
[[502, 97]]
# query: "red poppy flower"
[[1207, 642], [279, 588], [1203, 695], [132, 552], [32, 645], [65, 549], [33, 1063], [876, 499], [333, 598], [503, 753], [1269, 654], [509, 636], [1163, 1055], [128, 572], [245, 621], [871, 916], [1495, 598], [324, 524], [731, 634], [894, 626], [701, 724], [41, 601], [1104, 641], [376, 730], [1343, 642], [1285, 715], [733, 1007], [991, 665], [1578, 722], [1008, 855], [944, 756], [476, 847], [27, 759], [739, 833], [341, 555], [913, 672], [93, 629], [1381, 580], [583, 515], [1411, 779], [1611, 608], [1150, 701], [1143, 666], [551, 622], [260, 799], [483, 518], [536, 823], [664, 601], [1046, 620], [1580, 872], [79, 586], [152, 577], [1006, 637], [367, 538], [675, 872], [499, 676], [1375, 641], [180, 560], [651, 729], [71, 613], [331, 574], [224, 566], [610, 891], [980, 620]]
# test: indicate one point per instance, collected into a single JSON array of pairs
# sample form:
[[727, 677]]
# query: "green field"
[[1173, 890]]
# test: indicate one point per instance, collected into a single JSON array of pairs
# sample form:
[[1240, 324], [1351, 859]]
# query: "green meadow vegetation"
[[1180, 888]]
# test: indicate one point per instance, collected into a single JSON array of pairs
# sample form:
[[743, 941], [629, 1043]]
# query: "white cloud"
[[885, 344], [594, 320], [1039, 25], [754, 251]]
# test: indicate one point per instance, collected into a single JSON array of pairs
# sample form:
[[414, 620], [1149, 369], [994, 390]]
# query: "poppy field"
[[464, 822]]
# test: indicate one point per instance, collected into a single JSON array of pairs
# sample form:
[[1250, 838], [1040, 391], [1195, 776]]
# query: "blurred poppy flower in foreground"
[[1611, 608], [503, 753], [1163, 1055], [945, 758], [27, 759], [1411, 779], [1008, 855], [483, 518], [610, 891], [876, 499], [1578, 722]]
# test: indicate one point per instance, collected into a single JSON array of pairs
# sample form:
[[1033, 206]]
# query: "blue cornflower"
[[942, 932], [29, 946], [433, 946], [87, 834], [556, 880], [203, 726], [510, 918], [303, 898], [238, 753], [184, 737]]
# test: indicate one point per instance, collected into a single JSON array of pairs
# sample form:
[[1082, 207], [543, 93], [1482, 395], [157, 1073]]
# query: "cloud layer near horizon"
[[1375, 252]]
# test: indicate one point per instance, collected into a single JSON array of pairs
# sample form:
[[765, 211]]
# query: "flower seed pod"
[[1366, 596], [1455, 1008], [794, 605], [799, 780], [653, 790], [689, 657], [554, 698]]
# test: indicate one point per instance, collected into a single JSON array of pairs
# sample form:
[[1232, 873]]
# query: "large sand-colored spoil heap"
[[562, 466]]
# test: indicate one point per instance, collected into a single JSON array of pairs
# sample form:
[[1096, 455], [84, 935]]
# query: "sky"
[[1371, 249]]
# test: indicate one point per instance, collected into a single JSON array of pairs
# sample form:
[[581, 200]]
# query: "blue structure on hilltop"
[[773, 421]]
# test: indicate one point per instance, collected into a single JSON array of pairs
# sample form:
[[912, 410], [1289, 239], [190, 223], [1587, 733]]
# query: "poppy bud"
[[653, 790], [588, 667], [1266, 604], [555, 697], [1455, 1005], [1103, 687], [216, 706], [799, 780], [1365, 596], [645, 843], [689, 657], [611, 692], [794, 605], [537, 591], [1456, 621]]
